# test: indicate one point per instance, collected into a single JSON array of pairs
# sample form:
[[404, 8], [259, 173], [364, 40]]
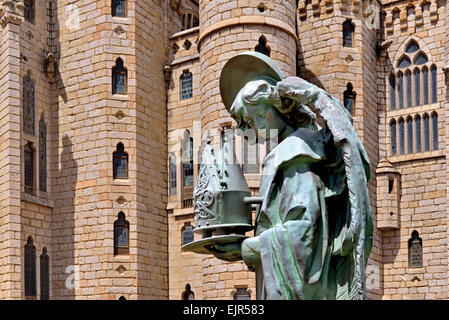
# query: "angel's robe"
[[301, 220]]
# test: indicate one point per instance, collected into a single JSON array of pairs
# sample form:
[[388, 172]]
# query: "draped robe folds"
[[301, 218]]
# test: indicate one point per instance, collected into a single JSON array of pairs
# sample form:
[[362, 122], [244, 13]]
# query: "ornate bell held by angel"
[[221, 213]]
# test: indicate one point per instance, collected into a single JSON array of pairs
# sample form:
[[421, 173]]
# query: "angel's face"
[[263, 118]]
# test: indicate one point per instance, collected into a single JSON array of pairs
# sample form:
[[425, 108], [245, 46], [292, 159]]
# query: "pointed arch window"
[[172, 173], [412, 47], [417, 80], [28, 105], [188, 294], [401, 90], [425, 80], [434, 131], [418, 134], [415, 250], [421, 59], [408, 79], [119, 78], [242, 294], [404, 62], [42, 154], [349, 99], [262, 46], [187, 159], [45, 275], [433, 73], [121, 235], [30, 269], [426, 126], [29, 167], [392, 82], [119, 8], [393, 137], [120, 162], [409, 135], [348, 34], [401, 136]]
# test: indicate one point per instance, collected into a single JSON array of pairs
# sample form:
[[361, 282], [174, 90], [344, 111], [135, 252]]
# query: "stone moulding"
[[12, 11], [260, 20]]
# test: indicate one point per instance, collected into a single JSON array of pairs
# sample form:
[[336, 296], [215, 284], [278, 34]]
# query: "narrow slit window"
[[30, 269], [187, 159], [120, 162], [348, 34], [45, 275], [262, 46], [425, 80], [409, 135], [42, 154], [418, 134], [401, 90], [392, 83], [172, 173], [417, 78], [408, 77], [433, 72], [426, 132], [29, 167], [401, 137], [415, 250], [393, 137], [434, 131], [186, 85], [119, 78], [121, 235], [349, 99]]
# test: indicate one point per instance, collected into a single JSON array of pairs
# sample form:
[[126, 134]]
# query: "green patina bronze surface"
[[313, 228]]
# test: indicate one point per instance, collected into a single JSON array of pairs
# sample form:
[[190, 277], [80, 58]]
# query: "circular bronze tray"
[[200, 246]]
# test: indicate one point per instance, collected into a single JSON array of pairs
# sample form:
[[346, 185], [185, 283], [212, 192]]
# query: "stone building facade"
[[105, 106]]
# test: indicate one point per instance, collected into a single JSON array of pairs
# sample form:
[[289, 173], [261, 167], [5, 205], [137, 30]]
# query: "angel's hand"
[[294, 88]]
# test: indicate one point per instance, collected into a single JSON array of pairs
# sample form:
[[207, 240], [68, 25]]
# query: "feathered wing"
[[356, 238]]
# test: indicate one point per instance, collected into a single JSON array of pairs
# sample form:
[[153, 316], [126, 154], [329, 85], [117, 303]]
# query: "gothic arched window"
[[415, 250], [401, 90], [417, 80], [119, 78], [120, 162], [30, 269], [172, 173], [42, 154], [29, 167], [426, 126], [45, 275], [242, 294], [119, 8], [262, 46], [188, 294], [434, 131], [121, 235], [187, 159], [408, 79], [349, 99], [28, 105], [433, 73], [187, 234], [393, 137], [425, 80], [401, 136], [348, 33], [392, 82], [418, 133], [409, 135]]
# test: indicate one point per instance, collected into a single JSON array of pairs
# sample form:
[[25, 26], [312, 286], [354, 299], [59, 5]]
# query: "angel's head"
[[259, 107]]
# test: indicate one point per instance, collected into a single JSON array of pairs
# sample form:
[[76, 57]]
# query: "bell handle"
[[252, 200]]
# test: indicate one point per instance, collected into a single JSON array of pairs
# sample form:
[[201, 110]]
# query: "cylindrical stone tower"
[[226, 29]]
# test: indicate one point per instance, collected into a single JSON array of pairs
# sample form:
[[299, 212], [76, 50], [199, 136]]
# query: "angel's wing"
[[356, 237]]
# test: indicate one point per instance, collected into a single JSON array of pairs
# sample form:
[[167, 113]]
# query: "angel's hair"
[[263, 91]]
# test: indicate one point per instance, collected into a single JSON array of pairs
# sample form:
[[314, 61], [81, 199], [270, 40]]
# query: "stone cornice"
[[245, 20], [12, 11]]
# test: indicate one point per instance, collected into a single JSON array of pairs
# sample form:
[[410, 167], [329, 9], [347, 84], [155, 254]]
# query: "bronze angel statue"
[[313, 227]]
